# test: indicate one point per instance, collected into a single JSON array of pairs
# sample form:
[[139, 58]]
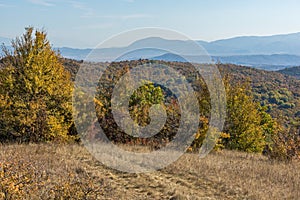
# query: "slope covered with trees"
[[292, 71], [279, 92]]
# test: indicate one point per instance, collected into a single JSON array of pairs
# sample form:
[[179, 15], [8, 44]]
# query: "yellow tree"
[[36, 91], [244, 120]]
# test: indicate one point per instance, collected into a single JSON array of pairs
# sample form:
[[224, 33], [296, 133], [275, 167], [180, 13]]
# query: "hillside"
[[38, 171], [292, 71], [279, 92]]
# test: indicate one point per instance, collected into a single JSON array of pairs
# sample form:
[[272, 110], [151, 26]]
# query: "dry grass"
[[70, 172]]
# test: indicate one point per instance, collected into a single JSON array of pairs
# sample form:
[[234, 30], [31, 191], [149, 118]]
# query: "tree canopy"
[[35, 91]]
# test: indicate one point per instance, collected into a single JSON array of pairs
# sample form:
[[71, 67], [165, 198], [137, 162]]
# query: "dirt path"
[[163, 184]]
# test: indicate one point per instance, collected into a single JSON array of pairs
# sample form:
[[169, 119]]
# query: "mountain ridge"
[[273, 52]]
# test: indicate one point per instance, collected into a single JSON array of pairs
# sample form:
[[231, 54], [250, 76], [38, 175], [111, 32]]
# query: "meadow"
[[55, 171]]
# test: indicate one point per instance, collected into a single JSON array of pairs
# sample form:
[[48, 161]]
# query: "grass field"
[[47, 171]]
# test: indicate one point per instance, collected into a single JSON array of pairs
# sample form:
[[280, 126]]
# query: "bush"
[[286, 144]]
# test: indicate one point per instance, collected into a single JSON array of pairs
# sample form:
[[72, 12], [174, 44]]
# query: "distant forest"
[[292, 71]]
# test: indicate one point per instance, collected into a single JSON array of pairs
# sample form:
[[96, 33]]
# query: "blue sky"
[[84, 24]]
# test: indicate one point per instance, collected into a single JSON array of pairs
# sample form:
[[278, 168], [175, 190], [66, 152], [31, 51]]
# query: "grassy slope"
[[53, 171]]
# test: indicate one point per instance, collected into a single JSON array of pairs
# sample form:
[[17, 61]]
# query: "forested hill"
[[280, 93], [292, 71]]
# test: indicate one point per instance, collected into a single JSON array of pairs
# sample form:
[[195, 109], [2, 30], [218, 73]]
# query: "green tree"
[[141, 101], [35, 91], [269, 126]]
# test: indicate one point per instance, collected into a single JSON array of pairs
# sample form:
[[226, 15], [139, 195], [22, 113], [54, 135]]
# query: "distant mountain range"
[[266, 52], [255, 45], [267, 62]]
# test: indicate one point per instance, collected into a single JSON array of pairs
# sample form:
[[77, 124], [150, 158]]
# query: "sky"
[[85, 24]]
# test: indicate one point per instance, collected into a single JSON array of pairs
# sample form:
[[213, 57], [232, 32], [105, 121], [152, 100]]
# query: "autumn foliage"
[[35, 92]]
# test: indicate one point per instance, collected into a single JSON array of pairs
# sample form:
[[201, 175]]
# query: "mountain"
[[245, 45], [169, 57], [141, 49], [265, 52], [253, 45], [267, 62], [77, 54]]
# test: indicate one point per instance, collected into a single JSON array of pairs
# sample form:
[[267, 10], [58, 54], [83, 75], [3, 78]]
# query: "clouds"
[[125, 16], [86, 10], [5, 5], [42, 2], [89, 12], [129, 1], [95, 26]]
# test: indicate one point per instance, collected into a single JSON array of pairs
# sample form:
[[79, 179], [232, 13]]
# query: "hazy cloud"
[[129, 1], [95, 26], [41, 2], [135, 16], [123, 17], [5, 5], [87, 11]]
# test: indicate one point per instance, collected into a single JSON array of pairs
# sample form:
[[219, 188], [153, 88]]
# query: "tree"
[[244, 120], [285, 144], [35, 91], [141, 101]]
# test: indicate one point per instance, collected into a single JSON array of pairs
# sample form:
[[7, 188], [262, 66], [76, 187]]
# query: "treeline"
[[36, 87]]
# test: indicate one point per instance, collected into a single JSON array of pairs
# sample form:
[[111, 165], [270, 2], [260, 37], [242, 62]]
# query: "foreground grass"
[[70, 172]]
